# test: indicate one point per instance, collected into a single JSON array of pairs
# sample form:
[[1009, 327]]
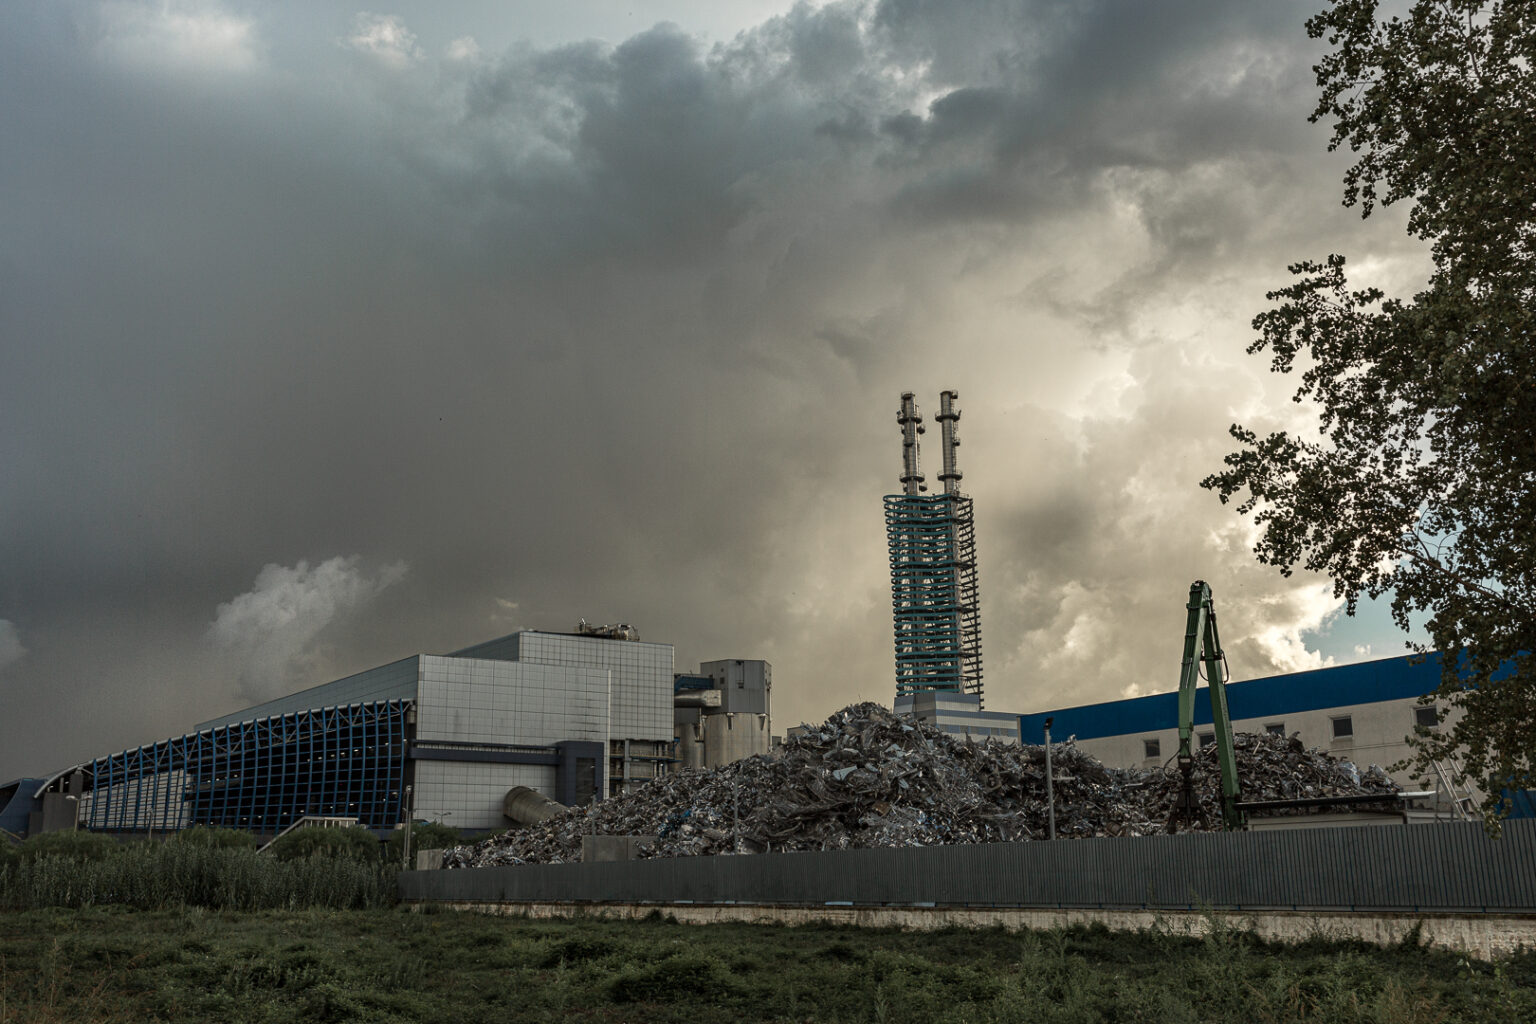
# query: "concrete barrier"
[[1486, 936]]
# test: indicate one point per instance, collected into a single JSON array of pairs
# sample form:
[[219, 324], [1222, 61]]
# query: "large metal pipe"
[[949, 419], [528, 806], [911, 425]]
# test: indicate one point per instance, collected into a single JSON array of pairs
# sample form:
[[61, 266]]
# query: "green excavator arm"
[[1202, 644]]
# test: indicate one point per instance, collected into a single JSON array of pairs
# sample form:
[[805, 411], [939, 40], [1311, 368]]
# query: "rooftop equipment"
[[617, 631]]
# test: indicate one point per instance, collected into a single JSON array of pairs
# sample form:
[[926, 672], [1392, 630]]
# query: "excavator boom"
[[1202, 645]]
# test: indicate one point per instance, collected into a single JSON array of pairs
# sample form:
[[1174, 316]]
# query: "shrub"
[[211, 837], [677, 978], [351, 843], [152, 876], [87, 846], [425, 835]]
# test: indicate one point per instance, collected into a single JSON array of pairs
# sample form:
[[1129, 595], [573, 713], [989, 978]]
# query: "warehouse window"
[[1206, 739], [1153, 747], [1343, 727], [1427, 717], [1275, 728]]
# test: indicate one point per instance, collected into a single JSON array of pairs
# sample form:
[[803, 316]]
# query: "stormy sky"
[[330, 335]]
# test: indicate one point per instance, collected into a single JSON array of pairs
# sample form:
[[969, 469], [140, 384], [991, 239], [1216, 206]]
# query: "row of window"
[[978, 730], [1343, 728]]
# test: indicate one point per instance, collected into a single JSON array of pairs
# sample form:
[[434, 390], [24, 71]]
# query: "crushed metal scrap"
[[869, 778]]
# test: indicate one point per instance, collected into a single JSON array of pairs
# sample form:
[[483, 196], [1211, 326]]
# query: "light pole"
[[1050, 788], [405, 845]]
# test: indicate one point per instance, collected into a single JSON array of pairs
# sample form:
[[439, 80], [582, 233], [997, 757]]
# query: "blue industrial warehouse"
[[1362, 713]]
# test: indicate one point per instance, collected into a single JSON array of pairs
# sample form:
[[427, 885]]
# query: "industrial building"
[[1362, 713], [960, 715], [934, 589], [722, 713], [575, 716]]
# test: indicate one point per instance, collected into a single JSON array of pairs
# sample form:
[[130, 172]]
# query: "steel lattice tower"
[[934, 590]]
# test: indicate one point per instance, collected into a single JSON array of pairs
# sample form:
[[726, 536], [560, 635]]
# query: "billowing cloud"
[[385, 36], [271, 634], [11, 650], [184, 33], [463, 48], [617, 332]]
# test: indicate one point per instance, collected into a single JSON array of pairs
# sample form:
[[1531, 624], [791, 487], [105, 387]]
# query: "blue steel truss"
[[934, 592], [260, 775]]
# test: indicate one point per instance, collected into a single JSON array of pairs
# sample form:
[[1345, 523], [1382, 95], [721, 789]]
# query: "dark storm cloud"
[[616, 332]]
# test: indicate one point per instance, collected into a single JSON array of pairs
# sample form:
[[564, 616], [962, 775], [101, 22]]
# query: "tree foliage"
[[1421, 482]]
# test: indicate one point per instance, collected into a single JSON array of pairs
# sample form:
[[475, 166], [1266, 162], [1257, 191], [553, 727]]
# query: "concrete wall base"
[[1486, 936]]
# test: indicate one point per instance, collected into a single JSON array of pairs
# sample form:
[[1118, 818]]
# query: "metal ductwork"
[[528, 806]]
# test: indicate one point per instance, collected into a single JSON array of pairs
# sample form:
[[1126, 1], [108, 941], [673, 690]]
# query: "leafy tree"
[[1421, 481]]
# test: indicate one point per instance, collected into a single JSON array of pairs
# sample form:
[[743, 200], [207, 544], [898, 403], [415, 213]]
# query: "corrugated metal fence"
[[1430, 868]]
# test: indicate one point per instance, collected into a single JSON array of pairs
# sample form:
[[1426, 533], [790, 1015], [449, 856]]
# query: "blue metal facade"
[[1270, 697], [259, 775], [934, 593]]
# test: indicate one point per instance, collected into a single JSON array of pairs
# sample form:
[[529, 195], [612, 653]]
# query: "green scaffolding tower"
[[934, 588]]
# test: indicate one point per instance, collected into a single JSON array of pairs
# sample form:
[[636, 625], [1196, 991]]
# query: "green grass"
[[103, 964]]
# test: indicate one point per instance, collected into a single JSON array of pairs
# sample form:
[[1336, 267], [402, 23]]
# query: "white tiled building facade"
[[960, 715]]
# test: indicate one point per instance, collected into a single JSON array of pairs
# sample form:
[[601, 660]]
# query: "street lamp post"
[[405, 845], [1050, 788]]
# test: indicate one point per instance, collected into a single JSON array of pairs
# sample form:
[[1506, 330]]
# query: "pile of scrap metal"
[[869, 778], [1274, 767]]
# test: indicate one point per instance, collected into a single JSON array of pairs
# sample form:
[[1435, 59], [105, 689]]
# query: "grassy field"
[[101, 964]]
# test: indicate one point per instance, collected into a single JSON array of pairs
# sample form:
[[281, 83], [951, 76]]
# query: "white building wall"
[[958, 715], [465, 794], [745, 684], [470, 700], [1381, 730], [475, 701], [641, 701]]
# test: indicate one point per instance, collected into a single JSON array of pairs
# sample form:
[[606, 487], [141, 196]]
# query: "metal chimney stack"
[[911, 425], [949, 418], [935, 593]]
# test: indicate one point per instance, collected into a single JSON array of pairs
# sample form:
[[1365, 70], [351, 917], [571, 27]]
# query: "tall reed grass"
[[155, 876]]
